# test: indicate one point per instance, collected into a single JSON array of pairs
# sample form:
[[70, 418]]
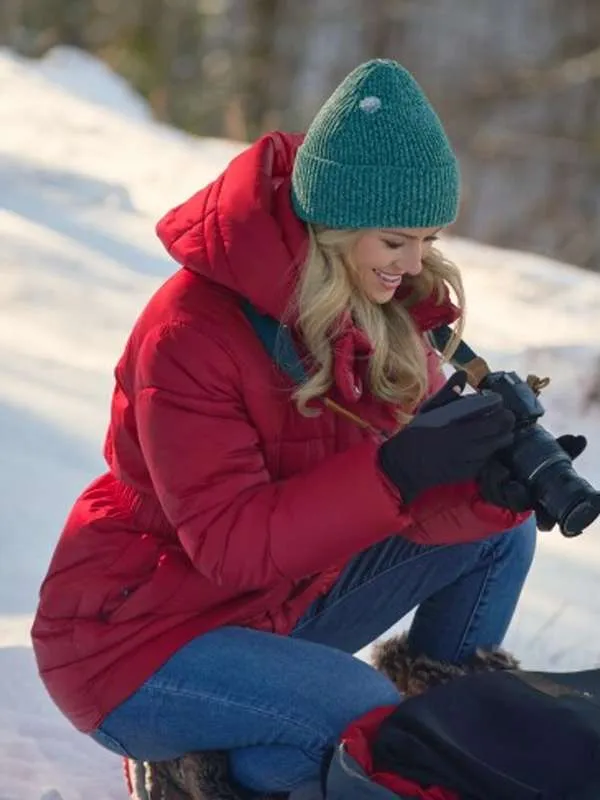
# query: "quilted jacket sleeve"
[[237, 525], [457, 513]]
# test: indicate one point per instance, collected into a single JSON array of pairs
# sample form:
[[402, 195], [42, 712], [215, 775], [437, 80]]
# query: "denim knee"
[[109, 743], [517, 546], [280, 767]]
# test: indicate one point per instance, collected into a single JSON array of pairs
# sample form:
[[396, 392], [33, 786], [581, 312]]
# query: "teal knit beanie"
[[376, 156]]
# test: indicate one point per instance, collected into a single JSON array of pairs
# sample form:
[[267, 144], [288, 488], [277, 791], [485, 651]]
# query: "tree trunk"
[[11, 14], [256, 66]]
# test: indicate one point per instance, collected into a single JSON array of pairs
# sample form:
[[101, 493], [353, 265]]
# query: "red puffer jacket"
[[221, 504]]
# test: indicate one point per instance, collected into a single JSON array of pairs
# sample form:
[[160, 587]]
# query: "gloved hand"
[[448, 441], [498, 487]]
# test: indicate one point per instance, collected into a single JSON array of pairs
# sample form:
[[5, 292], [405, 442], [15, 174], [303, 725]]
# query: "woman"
[[250, 535]]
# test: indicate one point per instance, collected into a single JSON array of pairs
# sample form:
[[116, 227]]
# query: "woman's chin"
[[381, 296]]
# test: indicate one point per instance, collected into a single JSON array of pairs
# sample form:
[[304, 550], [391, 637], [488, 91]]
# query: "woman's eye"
[[432, 239], [394, 245]]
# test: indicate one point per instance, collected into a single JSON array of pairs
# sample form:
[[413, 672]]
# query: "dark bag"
[[512, 735]]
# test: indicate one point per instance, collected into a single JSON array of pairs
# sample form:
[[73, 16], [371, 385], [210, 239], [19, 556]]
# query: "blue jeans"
[[278, 703]]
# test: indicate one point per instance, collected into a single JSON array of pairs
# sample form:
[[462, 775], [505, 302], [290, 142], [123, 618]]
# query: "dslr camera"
[[538, 460], [535, 458]]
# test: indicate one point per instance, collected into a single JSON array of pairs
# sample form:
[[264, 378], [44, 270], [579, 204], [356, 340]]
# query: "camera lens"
[[581, 515], [540, 462]]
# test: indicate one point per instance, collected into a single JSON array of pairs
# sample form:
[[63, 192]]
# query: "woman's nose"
[[412, 262]]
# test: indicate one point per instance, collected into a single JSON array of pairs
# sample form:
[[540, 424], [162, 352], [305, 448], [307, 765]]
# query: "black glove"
[[448, 441], [498, 487]]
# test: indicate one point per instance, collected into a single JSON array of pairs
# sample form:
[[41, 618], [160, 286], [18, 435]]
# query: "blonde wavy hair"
[[397, 370]]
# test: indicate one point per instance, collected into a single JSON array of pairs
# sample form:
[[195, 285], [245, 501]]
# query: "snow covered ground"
[[84, 173]]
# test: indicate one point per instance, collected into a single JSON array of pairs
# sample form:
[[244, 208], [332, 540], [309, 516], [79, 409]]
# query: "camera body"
[[538, 460]]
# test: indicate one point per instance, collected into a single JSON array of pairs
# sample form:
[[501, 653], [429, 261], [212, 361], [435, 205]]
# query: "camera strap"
[[464, 357], [476, 367]]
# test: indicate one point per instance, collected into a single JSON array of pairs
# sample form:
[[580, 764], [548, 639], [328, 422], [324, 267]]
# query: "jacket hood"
[[240, 231]]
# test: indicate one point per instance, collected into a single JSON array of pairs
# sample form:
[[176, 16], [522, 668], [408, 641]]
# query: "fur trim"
[[414, 674], [194, 776]]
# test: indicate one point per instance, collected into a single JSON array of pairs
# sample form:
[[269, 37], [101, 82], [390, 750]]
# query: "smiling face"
[[383, 256]]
